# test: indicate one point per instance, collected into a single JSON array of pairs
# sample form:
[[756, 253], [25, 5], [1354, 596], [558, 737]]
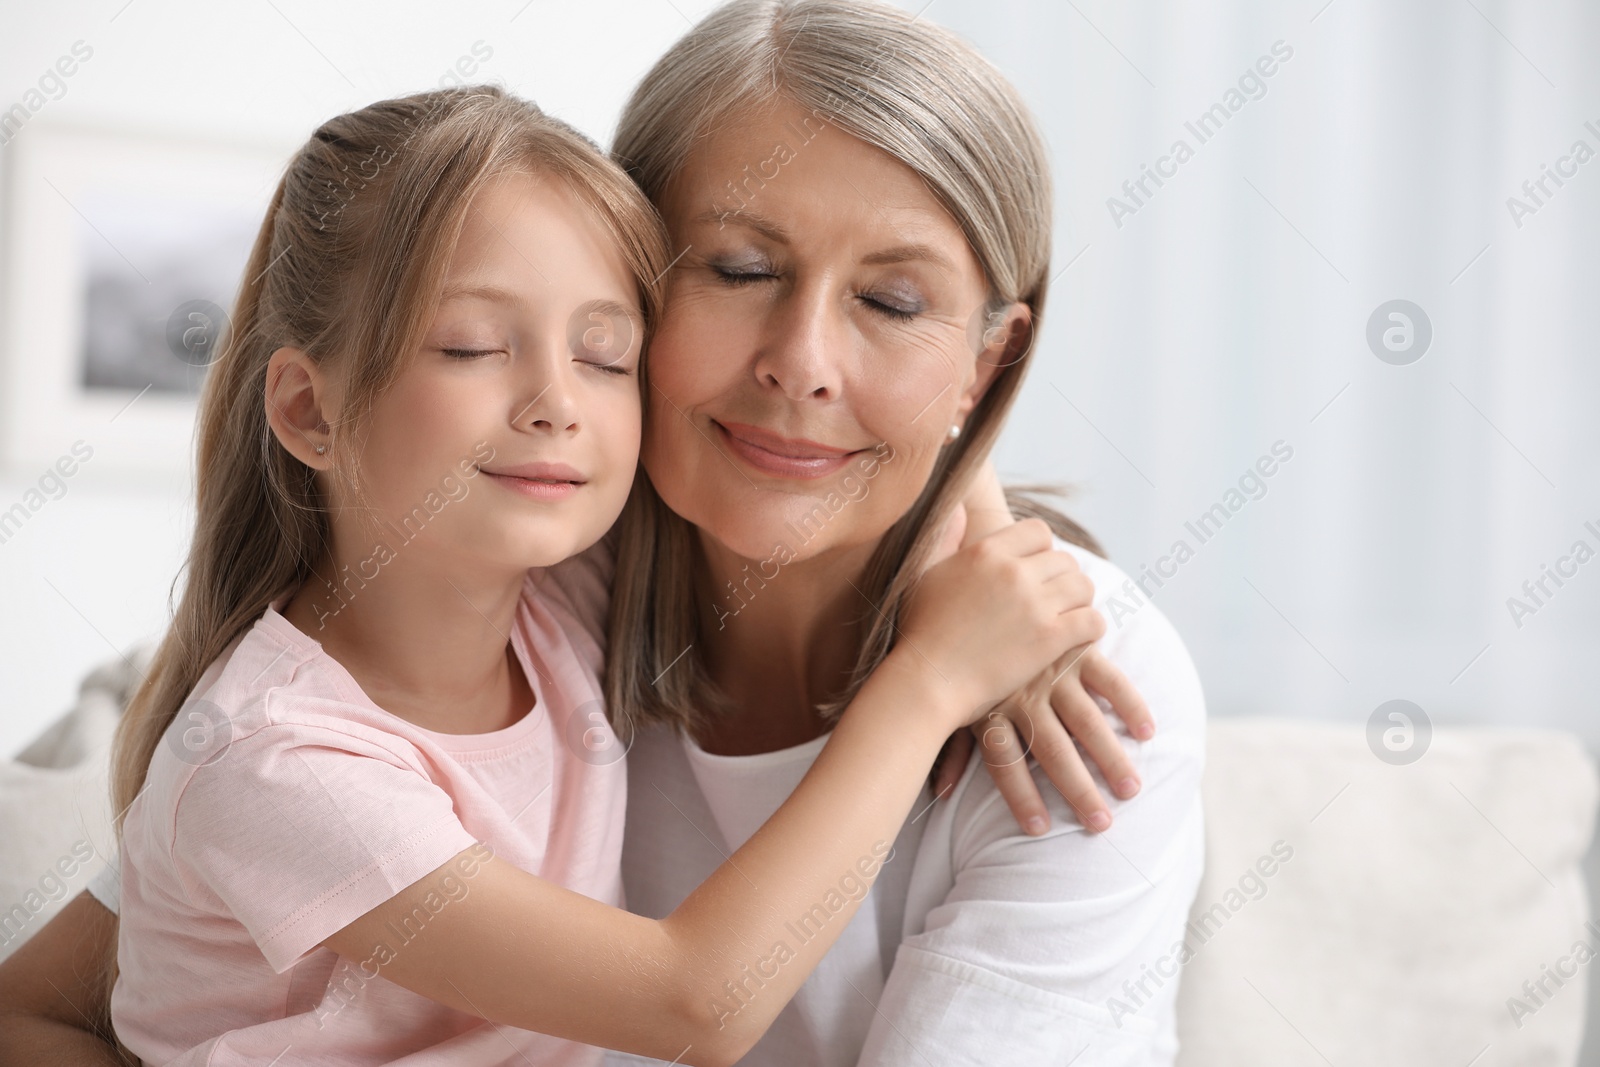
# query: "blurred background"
[[1370, 267]]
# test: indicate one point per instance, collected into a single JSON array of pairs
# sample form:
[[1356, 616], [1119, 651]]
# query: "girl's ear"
[[1005, 337], [297, 401]]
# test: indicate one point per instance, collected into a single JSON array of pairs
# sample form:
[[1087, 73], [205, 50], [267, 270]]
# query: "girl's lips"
[[778, 456], [539, 481], [534, 489]]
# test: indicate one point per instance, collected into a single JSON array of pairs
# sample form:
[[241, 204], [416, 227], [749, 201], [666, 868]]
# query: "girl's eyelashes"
[[468, 353]]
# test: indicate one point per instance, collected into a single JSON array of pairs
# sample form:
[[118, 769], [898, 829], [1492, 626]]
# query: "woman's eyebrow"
[[749, 219], [910, 253]]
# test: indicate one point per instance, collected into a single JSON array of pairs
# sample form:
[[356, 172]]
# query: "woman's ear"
[[297, 402], [1005, 337]]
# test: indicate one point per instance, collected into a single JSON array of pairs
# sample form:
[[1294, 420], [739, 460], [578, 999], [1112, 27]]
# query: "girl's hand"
[[996, 613], [1056, 708]]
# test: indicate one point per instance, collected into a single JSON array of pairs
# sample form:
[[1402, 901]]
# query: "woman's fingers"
[[1058, 757], [1006, 760], [1103, 676], [1081, 717]]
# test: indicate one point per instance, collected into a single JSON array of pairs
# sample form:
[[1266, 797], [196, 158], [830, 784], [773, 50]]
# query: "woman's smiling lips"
[[783, 457], [539, 481]]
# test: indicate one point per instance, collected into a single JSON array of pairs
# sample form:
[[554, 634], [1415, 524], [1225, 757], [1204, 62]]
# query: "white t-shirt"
[[977, 944]]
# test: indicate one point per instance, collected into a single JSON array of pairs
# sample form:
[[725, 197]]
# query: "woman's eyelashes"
[[743, 273], [899, 307]]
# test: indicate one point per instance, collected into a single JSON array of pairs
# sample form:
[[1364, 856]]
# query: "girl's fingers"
[[1081, 626], [1007, 762], [1083, 719], [1059, 567], [952, 762], [1103, 676]]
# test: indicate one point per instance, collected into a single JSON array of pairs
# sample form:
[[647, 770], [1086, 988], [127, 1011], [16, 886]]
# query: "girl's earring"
[[321, 449], [955, 432]]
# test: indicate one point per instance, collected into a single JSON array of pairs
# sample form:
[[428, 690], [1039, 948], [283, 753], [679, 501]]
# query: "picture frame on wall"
[[125, 255]]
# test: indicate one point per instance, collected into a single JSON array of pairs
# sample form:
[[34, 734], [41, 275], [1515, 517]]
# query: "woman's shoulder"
[[1143, 643]]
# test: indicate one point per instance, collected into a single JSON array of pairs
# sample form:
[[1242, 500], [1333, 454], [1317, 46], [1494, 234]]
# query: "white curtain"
[[1202, 321]]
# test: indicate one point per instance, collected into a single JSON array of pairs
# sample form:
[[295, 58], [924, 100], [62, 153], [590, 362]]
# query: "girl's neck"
[[778, 646], [426, 643]]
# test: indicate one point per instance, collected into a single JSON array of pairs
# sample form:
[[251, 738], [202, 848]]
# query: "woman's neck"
[[778, 644], [424, 642]]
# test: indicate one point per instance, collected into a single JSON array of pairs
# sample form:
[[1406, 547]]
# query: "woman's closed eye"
[[469, 353], [742, 275], [891, 307]]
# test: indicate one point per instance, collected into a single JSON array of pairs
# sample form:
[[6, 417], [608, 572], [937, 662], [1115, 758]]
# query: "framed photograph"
[[126, 253]]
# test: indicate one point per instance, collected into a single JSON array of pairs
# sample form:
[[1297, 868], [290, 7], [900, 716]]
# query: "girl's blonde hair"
[[348, 266], [929, 100]]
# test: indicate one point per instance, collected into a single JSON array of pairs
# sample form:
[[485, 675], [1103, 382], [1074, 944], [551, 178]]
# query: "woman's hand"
[[1043, 719], [1047, 715]]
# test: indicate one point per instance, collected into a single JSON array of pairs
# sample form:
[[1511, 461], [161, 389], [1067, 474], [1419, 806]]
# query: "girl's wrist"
[[931, 695]]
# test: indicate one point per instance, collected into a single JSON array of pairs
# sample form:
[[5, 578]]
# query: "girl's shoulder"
[[274, 685]]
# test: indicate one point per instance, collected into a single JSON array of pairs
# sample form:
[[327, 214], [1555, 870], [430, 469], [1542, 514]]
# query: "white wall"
[[1221, 317], [111, 547], [1231, 308]]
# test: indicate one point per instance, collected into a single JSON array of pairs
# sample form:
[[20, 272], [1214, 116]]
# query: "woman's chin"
[[782, 534]]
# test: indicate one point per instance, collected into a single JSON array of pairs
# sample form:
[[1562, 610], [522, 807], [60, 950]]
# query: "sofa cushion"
[[1355, 911], [55, 810]]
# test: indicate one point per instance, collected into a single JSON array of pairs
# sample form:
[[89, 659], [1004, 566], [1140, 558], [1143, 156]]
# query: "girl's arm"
[[53, 1003], [702, 985], [1055, 709]]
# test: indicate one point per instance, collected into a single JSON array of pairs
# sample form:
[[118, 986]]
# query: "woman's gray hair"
[[903, 85], [928, 99]]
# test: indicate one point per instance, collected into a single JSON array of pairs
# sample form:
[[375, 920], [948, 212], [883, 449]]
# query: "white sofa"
[[1352, 912]]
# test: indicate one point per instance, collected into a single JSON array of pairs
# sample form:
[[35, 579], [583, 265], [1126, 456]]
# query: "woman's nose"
[[799, 354]]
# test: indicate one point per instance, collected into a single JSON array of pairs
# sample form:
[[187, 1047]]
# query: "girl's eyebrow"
[[495, 293], [611, 307]]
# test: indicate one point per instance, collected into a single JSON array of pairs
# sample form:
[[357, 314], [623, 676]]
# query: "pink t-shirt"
[[283, 804]]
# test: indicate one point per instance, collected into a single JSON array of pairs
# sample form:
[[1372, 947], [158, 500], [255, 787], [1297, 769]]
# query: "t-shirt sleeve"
[[1024, 959], [298, 830]]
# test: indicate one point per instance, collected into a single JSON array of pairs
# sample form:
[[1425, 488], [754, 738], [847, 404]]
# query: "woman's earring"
[[321, 449], [955, 432]]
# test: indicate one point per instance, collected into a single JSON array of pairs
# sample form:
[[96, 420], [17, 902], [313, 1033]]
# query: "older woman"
[[862, 204]]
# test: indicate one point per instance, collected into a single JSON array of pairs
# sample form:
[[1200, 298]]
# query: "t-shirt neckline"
[[278, 624]]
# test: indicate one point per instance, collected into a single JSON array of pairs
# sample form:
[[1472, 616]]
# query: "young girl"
[[370, 800]]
